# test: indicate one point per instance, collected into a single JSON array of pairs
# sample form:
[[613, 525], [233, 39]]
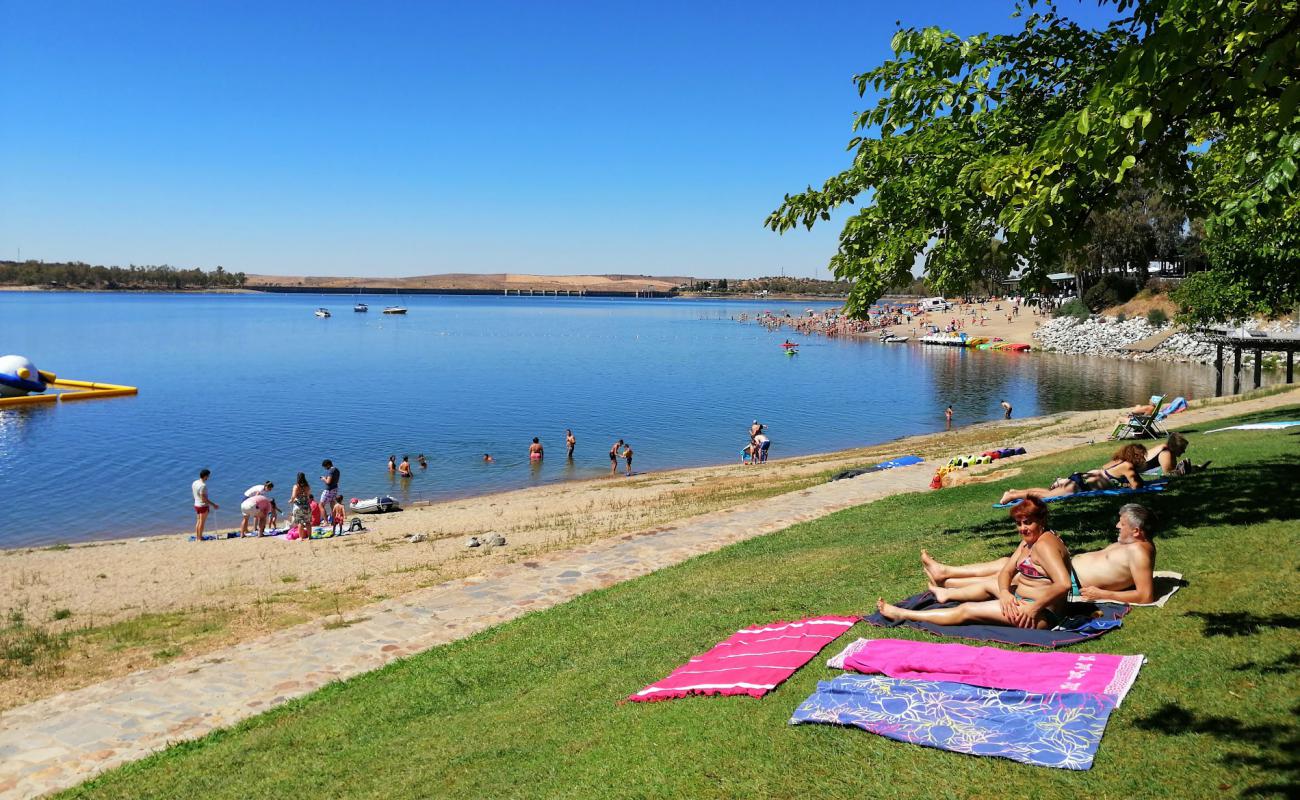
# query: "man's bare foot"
[[887, 610], [940, 593], [937, 572]]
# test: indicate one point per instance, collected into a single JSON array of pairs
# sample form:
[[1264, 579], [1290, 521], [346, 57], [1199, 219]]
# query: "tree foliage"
[[76, 275], [1029, 137]]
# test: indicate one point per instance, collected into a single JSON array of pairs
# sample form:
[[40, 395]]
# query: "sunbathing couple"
[[1030, 589], [1123, 471]]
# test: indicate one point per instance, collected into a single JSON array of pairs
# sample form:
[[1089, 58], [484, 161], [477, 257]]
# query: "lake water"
[[254, 387]]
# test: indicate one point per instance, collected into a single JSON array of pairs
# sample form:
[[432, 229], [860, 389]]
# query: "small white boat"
[[895, 339], [374, 505], [322, 312], [361, 308], [395, 310]]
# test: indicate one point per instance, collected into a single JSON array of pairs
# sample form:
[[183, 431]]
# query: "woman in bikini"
[[1122, 471], [1032, 586]]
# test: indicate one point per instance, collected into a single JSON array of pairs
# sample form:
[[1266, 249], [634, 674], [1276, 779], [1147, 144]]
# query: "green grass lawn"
[[532, 708]]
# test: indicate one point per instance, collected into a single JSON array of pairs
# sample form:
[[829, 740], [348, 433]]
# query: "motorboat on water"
[[395, 310], [895, 339], [361, 308], [374, 505], [322, 312]]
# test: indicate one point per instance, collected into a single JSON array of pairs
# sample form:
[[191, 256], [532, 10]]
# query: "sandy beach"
[[133, 603]]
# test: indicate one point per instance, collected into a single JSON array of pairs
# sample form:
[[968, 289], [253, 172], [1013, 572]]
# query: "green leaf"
[[1082, 125]]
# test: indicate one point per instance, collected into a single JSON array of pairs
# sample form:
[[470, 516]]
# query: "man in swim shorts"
[[1121, 572], [614, 452], [331, 481], [201, 503]]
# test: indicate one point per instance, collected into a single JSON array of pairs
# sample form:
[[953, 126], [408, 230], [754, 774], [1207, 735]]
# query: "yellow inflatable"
[[21, 383]]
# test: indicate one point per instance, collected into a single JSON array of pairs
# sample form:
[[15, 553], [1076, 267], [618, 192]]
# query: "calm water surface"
[[254, 387]]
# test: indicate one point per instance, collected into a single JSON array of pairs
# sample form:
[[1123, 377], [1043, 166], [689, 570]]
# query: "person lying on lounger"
[[1122, 572], [1029, 590], [1122, 471]]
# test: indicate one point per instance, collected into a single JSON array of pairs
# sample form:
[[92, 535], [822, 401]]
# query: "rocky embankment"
[[1109, 336]]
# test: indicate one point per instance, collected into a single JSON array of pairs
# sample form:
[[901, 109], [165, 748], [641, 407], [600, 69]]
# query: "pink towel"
[[753, 661], [1039, 673]]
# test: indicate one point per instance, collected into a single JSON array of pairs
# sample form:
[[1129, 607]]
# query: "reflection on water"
[[255, 387]]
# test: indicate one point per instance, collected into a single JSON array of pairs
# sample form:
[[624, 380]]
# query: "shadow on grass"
[[1241, 623], [1278, 666], [1278, 745]]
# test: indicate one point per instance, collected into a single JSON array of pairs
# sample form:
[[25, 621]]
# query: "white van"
[[935, 304]]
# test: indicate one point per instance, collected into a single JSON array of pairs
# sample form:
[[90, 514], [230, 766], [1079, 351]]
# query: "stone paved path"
[[63, 740]]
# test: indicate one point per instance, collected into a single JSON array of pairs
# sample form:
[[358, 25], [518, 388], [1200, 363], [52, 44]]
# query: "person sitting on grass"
[[1121, 572], [1030, 588], [1121, 471]]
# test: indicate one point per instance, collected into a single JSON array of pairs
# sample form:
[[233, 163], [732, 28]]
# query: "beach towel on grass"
[[901, 461], [753, 661], [1153, 486], [992, 668], [1047, 730], [1258, 426], [1082, 622]]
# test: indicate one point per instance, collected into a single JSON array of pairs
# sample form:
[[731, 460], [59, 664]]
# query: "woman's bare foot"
[[940, 593], [1007, 497], [936, 572], [887, 610]]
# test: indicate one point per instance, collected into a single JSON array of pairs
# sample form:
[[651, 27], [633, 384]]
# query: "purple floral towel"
[[1046, 730]]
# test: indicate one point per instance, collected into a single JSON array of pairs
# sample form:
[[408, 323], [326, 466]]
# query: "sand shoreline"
[[129, 604]]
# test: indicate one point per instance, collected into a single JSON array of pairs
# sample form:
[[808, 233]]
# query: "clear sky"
[[408, 138]]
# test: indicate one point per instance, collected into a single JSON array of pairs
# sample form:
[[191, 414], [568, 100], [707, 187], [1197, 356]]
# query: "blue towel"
[[1082, 622], [1046, 730], [901, 461], [1154, 486]]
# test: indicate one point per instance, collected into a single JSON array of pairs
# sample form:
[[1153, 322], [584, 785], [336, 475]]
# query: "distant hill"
[[493, 281]]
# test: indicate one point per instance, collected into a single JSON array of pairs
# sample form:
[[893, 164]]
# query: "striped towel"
[[752, 661]]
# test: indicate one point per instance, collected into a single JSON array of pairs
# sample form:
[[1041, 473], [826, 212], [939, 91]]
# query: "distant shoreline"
[[368, 291]]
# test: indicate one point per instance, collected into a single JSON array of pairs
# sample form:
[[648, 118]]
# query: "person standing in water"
[[627, 456], [535, 450], [1006, 410], [947, 415], [404, 468], [614, 451], [569, 441]]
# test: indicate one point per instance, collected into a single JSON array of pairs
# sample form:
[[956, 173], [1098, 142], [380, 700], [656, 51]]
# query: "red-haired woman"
[[1039, 569]]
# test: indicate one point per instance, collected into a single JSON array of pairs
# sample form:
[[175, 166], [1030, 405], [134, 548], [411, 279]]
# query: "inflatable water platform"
[[21, 383]]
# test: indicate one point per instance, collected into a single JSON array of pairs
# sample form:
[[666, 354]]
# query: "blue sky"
[[393, 138]]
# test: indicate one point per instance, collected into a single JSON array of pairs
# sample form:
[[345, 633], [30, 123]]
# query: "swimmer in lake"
[[535, 449], [569, 441], [487, 458]]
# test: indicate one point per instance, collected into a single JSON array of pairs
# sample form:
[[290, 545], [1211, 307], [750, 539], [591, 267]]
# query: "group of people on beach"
[[260, 512], [756, 451], [1031, 587]]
